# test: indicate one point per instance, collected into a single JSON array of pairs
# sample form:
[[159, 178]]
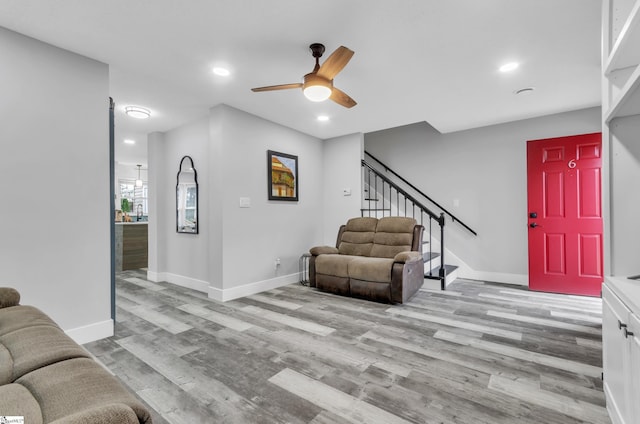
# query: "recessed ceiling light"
[[222, 72], [137, 112], [129, 141], [323, 118], [508, 67], [524, 91]]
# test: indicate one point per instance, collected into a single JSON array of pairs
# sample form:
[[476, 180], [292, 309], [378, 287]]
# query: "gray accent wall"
[[480, 176], [235, 252], [54, 176], [341, 171]]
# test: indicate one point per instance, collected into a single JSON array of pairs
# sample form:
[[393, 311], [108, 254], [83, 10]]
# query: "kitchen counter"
[[132, 245]]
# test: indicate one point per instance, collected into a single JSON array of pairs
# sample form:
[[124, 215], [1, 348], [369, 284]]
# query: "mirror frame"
[[195, 178]]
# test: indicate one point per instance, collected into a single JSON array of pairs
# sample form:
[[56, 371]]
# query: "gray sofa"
[[47, 378], [375, 259]]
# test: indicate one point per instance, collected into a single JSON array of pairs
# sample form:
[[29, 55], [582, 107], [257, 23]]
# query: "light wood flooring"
[[476, 353]]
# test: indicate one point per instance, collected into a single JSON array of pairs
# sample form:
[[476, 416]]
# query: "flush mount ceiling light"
[[129, 141], [323, 118], [524, 91], [508, 67], [222, 72], [137, 112]]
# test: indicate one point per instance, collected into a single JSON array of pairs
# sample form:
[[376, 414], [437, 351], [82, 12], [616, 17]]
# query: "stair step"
[[426, 257], [435, 272], [375, 210], [371, 200]]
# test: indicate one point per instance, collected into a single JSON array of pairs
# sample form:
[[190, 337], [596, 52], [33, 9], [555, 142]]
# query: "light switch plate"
[[346, 192], [245, 202]]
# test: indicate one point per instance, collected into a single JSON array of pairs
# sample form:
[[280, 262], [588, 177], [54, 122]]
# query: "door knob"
[[533, 215], [533, 225]]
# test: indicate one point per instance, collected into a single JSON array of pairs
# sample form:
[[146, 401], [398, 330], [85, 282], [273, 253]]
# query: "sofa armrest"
[[323, 250], [9, 297], [406, 257]]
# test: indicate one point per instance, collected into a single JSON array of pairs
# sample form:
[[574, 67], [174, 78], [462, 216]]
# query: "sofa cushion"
[[334, 264], [6, 366], [76, 385], [357, 238], [371, 269], [22, 316], [16, 400], [38, 346], [393, 235]]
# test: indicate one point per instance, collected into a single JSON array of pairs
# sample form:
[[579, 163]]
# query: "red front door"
[[565, 214]]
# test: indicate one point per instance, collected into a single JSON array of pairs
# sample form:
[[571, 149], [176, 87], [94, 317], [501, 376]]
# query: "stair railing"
[[394, 196], [417, 190]]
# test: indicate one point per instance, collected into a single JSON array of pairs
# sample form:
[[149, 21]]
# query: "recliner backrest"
[[357, 237], [394, 234]]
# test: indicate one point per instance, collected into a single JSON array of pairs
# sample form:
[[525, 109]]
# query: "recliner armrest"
[[406, 257], [9, 297], [323, 250]]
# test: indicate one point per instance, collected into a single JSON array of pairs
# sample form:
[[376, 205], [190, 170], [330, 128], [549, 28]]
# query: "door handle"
[[533, 215], [533, 225]]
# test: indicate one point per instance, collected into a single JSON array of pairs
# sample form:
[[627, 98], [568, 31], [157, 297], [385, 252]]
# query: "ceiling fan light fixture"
[[315, 88], [317, 93]]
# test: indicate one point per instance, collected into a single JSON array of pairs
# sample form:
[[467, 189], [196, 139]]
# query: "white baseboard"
[[223, 295], [179, 280], [91, 332], [496, 277], [252, 288]]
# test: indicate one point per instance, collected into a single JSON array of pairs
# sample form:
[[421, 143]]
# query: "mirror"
[[187, 197]]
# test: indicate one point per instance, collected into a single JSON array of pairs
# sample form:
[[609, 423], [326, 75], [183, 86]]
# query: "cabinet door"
[[615, 357], [634, 375]]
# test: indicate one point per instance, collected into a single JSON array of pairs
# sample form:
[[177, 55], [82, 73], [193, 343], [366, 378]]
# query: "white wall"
[[625, 196], [54, 162], [341, 169], [254, 237], [174, 255], [484, 169], [235, 251]]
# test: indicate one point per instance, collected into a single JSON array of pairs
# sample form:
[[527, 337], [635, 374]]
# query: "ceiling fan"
[[318, 84]]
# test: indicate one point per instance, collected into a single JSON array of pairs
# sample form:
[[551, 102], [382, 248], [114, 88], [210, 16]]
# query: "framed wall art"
[[282, 175]]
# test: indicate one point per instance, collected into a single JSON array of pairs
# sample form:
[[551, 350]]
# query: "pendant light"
[[139, 181]]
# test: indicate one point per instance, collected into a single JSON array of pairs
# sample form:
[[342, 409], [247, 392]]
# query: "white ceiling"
[[415, 60]]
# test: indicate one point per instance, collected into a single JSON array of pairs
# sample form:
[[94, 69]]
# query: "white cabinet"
[[621, 132], [621, 70], [621, 349]]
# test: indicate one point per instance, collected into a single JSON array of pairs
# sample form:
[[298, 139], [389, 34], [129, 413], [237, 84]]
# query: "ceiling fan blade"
[[342, 98], [277, 87], [334, 63]]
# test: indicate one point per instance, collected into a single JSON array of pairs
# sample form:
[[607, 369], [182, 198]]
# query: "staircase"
[[385, 197]]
